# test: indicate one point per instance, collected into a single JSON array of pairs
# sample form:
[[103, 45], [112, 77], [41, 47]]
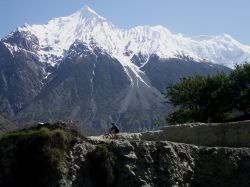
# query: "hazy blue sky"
[[189, 17]]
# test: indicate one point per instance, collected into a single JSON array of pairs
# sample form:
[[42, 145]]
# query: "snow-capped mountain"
[[86, 25], [84, 68]]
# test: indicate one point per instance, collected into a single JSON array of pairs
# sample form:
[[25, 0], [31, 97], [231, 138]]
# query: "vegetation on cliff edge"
[[34, 156]]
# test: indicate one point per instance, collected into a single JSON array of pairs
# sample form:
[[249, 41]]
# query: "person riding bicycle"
[[114, 130], [112, 133]]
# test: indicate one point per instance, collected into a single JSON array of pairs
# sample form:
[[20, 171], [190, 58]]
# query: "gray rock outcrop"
[[131, 160], [158, 164], [233, 134]]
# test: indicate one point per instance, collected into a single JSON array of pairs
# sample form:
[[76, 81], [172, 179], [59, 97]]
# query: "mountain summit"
[[84, 68], [87, 12], [86, 25]]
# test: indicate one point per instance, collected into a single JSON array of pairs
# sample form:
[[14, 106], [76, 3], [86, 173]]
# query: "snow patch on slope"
[[135, 75]]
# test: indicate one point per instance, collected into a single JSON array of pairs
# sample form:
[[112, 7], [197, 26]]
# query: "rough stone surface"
[[210, 155], [133, 161], [234, 134], [158, 164]]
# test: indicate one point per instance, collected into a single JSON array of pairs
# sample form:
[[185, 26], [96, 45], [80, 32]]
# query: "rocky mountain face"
[[20, 72], [94, 161], [83, 68], [5, 125]]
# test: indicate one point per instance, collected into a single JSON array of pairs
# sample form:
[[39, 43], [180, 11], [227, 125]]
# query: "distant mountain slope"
[[5, 125], [162, 72], [82, 67]]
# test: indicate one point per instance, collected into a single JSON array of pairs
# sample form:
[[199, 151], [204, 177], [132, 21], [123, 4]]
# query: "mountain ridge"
[[86, 25], [83, 68]]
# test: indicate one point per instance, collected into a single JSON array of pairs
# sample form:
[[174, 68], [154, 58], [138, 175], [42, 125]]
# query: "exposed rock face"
[[167, 164], [147, 159], [233, 134], [20, 72], [95, 161], [162, 72]]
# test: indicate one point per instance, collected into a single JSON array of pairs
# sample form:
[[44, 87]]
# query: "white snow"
[[86, 25], [134, 73]]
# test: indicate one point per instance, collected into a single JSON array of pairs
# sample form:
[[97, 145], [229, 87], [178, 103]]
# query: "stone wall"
[[234, 134]]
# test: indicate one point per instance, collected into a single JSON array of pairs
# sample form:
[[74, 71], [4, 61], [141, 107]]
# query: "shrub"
[[33, 157]]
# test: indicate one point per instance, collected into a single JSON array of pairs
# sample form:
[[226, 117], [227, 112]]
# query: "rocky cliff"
[[231, 134], [124, 162]]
